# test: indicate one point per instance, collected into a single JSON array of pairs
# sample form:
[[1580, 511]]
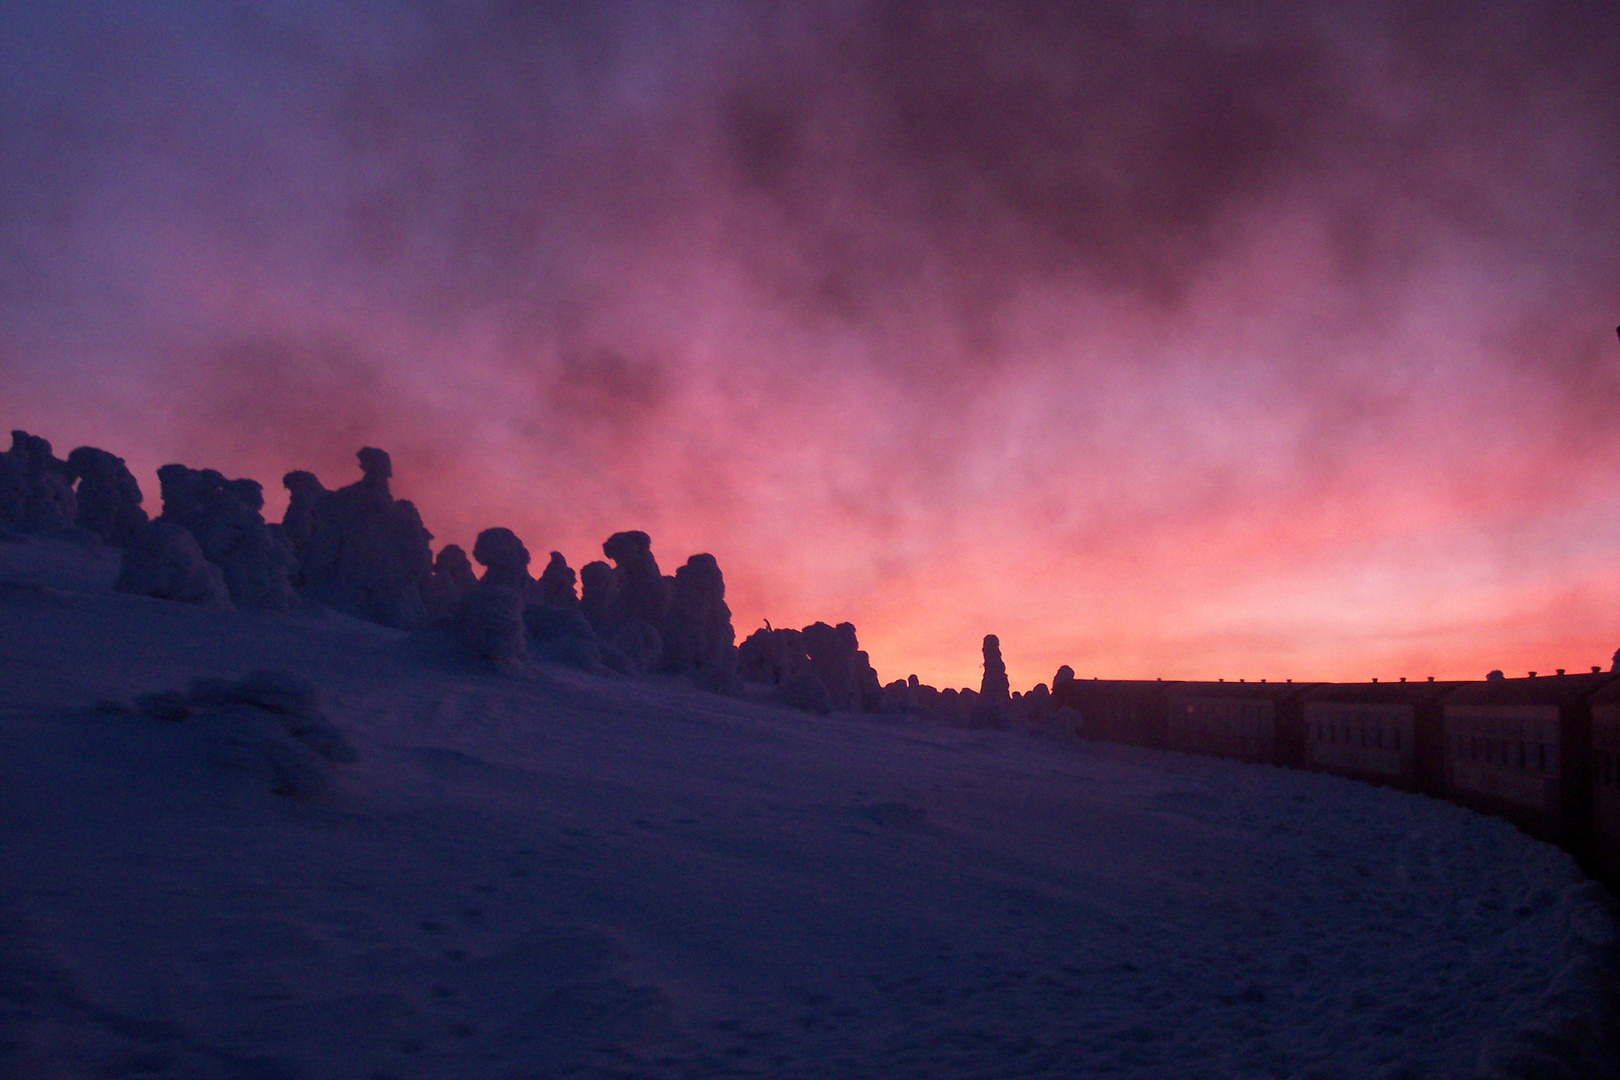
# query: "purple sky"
[[1160, 339]]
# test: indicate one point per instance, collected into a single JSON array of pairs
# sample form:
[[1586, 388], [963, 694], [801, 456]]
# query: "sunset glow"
[[1277, 343]]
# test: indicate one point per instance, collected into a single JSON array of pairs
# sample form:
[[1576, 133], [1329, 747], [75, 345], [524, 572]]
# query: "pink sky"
[[1273, 346]]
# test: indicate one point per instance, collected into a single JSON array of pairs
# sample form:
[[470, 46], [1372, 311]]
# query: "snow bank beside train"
[[566, 873]]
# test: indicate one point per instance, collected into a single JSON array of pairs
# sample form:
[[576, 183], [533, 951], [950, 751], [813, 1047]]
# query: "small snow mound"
[[269, 723], [1570, 1036], [254, 741], [272, 691], [489, 622]]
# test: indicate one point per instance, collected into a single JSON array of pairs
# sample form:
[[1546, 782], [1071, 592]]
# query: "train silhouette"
[[1542, 752]]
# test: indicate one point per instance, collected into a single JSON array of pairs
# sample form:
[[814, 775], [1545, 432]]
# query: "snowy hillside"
[[578, 876]]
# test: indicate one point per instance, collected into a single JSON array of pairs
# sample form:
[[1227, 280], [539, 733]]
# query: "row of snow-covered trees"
[[359, 550]]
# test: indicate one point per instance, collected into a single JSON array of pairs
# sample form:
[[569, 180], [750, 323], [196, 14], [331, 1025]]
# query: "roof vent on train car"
[[1596, 670], [1560, 671], [1403, 678], [1431, 678], [1375, 678], [1532, 674]]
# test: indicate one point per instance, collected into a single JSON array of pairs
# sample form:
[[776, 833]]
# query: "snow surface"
[[573, 876]]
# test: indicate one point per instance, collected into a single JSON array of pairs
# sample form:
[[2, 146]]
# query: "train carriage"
[[1259, 722], [1382, 733], [1117, 710], [1522, 749], [1605, 772]]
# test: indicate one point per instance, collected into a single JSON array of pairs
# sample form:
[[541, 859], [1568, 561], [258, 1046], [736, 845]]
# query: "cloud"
[[889, 306]]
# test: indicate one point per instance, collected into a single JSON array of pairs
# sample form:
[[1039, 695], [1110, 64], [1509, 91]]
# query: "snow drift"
[[571, 875]]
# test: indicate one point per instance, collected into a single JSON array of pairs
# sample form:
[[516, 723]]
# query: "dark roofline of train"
[[1415, 693], [1255, 691], [1562, 687], [1535, 690]]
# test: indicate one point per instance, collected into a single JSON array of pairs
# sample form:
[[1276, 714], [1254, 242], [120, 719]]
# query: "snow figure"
[[698, 633], [643, 593], [506, 561], [835, 657], [771, 656], [489, 622], [36, 489], [804, 692], [897, 696], [561, 635], [1036, 706], [994, 685], [13, 493], [634, 648], [452, 578], [599, 593], [367, 552], [304, 491], [109, 499], [163, 560], [224, 517], [557, 582]]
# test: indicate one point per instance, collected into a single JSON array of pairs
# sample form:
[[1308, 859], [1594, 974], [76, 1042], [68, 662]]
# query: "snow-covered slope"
[[571, 876]]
